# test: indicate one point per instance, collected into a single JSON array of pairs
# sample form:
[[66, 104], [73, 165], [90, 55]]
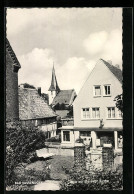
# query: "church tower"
[[54, 88]]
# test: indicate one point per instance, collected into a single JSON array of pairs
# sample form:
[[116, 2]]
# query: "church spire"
[[54, 85]]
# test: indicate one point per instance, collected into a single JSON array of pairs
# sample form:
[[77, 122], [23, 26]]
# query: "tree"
[[119, 102], [21, 144], [70, 114]]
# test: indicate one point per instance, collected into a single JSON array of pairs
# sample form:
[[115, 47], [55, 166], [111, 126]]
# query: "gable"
[[117, 72], [100, 75]]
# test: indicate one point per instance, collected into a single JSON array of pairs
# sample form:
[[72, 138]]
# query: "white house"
[[96, 118]]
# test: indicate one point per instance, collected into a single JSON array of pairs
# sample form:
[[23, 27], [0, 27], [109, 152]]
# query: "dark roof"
[[117, 72], [65, 97], [54, 85], [62, 113], [12, 54], [32, 106]]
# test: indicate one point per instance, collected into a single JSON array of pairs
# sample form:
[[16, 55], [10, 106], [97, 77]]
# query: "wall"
[[99, 76], [12, 106], [51, 96], [58, 151], [52, 127]]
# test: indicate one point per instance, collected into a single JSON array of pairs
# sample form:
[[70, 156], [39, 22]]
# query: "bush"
[[21, 143], [57, 138], [81, 179]]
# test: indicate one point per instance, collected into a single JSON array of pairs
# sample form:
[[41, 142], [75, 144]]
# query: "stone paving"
[[48, 185]]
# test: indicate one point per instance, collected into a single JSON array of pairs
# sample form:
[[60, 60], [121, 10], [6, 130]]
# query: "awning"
[[97, 129], [90, 128]]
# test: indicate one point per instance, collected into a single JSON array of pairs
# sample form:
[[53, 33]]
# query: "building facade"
[[96, 119], [34, 111], [60, 100], [12, 68]]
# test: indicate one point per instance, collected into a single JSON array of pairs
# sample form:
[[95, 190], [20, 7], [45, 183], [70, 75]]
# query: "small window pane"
[[97, 91], [111, 112], [107, 90], [95, 112], [85, 113], [66, 136]]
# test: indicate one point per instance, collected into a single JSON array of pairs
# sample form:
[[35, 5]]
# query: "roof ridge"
[[12, 54], [116, 71]]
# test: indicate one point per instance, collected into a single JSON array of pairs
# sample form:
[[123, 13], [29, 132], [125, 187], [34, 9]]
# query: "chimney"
[[109, 61], [21, 85], [39, 90]]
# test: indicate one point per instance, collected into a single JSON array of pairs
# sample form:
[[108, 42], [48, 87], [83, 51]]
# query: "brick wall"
[[12, 107]]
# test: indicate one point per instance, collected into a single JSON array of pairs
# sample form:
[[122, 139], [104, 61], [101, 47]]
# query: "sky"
[[73, 39]]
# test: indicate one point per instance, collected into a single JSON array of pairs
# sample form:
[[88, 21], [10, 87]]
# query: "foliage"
[[79, 140], [27, 176], [59, 106], [57, 138], [119, 102], [20, 143], [70, 114], [94, 179], [62, 107]]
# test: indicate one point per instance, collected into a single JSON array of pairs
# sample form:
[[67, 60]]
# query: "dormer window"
[[97, 90], [107, 90]]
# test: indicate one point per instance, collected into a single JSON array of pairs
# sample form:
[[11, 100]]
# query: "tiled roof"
[[64, 96], [12, 54], [117, 72], [32, 106], [62, 113]]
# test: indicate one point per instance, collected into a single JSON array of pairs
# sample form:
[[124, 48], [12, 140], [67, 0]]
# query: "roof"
[[12, 54], [54, 85], [64, 96], [62, 113], [32, 105], [117, 72], [108, 129]]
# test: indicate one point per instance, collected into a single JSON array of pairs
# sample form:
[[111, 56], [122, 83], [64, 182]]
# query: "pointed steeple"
[[54, 85]]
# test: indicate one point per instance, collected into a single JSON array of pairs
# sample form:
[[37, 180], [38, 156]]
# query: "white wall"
[[99, 76]]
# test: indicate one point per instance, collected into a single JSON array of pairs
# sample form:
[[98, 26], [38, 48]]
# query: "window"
[[85, 113], [111, 112], [66, 135], [97, 90], [107, 90], [95, 112], [85, 133], [119, 114]]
